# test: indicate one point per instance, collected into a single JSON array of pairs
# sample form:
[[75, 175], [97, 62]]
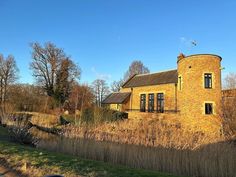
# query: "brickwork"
[[193, 96], [169, 91], [188, 98]]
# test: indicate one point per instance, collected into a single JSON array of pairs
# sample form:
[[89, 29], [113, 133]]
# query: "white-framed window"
[[209, 108], [208, 80]]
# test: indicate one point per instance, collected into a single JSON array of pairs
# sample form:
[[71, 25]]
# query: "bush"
[[20, 119], [69, 117], [120, 115], [63, 121], [22, 136], [229, 117], [98, 115], [87, 116]]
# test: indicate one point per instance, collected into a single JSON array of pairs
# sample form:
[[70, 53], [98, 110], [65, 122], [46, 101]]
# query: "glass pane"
[[142, 102], [151, 102], [208, 108], [160, 102], [208, 80]]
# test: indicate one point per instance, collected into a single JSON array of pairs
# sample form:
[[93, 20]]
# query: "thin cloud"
[[99, 75], [186, 44]]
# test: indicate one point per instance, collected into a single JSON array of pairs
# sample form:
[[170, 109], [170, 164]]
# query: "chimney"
[[180, 57]]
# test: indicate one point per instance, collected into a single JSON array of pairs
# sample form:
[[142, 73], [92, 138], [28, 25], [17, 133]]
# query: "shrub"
[[87, 116], [22, 136], [20, 119], [99, 115], [69, 117], [229, 117], [120, 115], [63, 121]]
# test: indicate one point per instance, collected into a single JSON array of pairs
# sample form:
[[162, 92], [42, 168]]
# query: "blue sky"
[[105, 36]]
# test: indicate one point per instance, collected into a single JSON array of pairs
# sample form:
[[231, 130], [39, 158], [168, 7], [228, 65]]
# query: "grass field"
[[39, 163]]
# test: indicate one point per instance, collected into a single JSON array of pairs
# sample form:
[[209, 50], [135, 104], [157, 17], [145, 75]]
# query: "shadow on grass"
[[47, 161], [210, 160], [9, 170]]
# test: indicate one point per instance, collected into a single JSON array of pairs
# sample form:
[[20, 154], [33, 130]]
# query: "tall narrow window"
[[180, 83], [208, 108], [160, 102], [142, 102], [208, 80], [151, 102]]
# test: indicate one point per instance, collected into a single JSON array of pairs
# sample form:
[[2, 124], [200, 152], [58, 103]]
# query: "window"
[[160, 102], [151, 102], [208, 80], [208, 108], [142, 102], [180, 83]]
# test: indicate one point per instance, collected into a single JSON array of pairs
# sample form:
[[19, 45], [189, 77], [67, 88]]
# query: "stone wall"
[[193, 96], [169, 91], [190, 100]]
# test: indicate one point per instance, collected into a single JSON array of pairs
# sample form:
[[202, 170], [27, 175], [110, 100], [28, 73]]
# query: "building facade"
[[192, 90]]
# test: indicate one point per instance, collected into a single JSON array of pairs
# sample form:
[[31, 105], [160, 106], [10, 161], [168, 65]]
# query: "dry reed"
[[169, 131], [212, 160]]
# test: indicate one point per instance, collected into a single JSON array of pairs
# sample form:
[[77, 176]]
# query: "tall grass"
[[20, 119], [191, 147], [212, 160], [97, 115], [166, 132]]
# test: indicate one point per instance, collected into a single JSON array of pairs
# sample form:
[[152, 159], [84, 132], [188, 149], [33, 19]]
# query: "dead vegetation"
[[167, 131], [209, 160], [229, 116]]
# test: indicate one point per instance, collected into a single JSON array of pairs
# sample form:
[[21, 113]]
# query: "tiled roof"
[[165, 77], [116, 98]]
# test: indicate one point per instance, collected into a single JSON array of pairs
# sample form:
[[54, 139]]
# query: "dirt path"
[[5, 172]]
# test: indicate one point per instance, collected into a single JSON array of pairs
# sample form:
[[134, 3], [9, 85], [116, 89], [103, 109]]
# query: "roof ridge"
[[120, 92], [161, 77], [155, 72]]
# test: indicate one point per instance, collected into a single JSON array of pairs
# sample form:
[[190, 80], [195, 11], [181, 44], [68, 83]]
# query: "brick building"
[[192, 90]]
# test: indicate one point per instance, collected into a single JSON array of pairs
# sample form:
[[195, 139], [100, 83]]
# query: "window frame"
[[208, 81], [160, 102], [142, 102], [209, 110], [151, 100]]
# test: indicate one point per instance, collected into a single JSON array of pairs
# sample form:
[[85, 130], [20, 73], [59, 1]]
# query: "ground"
[[39, 162]]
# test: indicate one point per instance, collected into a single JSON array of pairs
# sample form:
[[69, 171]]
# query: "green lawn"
[[43, 162], [3, 134]]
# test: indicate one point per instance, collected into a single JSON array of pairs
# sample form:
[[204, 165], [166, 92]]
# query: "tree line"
[[57, 82]]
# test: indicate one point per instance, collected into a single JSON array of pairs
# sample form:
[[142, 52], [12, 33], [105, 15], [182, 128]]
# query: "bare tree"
[[136, 67], [25, 97], [8, 75], [101, 90], [116, 85], [229, 102], [81, 97], [230, 81], [53, 70]]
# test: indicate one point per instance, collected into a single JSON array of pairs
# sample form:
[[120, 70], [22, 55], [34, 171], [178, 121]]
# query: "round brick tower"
[[199, 85]]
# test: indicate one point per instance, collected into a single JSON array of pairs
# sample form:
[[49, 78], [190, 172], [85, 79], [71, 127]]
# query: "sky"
[[104, 36]]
